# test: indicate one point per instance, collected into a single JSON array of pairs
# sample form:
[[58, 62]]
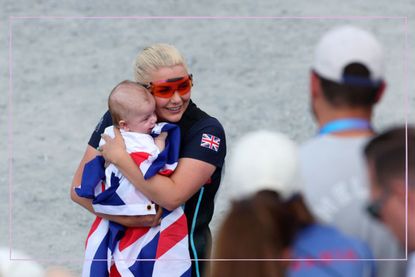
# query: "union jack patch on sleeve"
[[210, 141]]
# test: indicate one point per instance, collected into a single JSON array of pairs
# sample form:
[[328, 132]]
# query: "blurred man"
[[386, 156], [347, 80]]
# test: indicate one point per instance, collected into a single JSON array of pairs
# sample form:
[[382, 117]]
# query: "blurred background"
[[250, 73]]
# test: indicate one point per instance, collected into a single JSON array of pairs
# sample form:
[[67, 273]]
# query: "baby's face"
[[142, 121]]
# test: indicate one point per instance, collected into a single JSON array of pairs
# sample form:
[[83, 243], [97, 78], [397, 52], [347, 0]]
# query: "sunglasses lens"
[[184, 87], [375, 207], [167, 89], [373, 212], [163, 91]]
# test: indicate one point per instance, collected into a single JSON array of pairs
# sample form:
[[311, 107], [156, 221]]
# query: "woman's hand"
[[135, 221], [114, 148]]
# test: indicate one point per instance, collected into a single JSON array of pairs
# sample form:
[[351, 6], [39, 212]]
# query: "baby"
[[132, 110]]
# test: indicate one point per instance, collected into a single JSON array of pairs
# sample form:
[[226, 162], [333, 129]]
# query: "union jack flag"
[[210, 141], [113, 250]]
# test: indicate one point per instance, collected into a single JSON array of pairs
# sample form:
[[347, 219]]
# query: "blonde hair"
[[155, 57], [126, 99]]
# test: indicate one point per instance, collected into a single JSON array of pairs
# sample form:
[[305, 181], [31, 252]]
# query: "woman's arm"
[[168, 192], [89, 154], [128, 221]]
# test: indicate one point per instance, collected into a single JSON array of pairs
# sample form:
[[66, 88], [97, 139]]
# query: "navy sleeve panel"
[[205, 141], [104, 122]]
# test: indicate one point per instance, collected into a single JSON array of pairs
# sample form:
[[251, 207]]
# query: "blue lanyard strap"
[[346, 124]]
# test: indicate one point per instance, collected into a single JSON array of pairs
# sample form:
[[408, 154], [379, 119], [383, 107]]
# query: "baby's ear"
[[123, 125]]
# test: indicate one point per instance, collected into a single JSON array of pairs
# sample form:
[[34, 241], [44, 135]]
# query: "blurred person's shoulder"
[[327, 243], [329, 144]]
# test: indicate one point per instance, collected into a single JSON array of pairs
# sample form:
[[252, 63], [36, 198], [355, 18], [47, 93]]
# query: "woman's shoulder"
[[104, 122], [195, 119], [202, 137]]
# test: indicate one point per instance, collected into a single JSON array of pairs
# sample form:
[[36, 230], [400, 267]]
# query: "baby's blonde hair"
[[155, 57]]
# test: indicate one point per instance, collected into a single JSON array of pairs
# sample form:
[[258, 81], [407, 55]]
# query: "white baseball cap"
[[344, 45], [263, 160]]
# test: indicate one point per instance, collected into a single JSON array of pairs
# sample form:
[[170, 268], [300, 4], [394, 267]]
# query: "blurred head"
[[132, 108], [163, 70], [264, 160], [386, 156], [18, 268], [257, 227], [347, 70]]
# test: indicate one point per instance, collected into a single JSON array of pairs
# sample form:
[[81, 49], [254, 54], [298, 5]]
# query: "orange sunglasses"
[[167, 88]]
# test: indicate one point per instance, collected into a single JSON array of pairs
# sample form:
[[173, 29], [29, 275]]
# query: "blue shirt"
[[324, 242]]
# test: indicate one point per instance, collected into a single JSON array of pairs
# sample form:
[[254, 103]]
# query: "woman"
[[162, 69]]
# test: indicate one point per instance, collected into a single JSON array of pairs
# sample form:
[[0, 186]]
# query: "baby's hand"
[[160, 141], [163, 136]]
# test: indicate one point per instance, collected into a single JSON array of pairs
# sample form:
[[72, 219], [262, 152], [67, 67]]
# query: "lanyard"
[[345, 124]]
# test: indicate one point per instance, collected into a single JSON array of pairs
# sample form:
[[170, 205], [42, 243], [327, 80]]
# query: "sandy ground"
[[249, 73]]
